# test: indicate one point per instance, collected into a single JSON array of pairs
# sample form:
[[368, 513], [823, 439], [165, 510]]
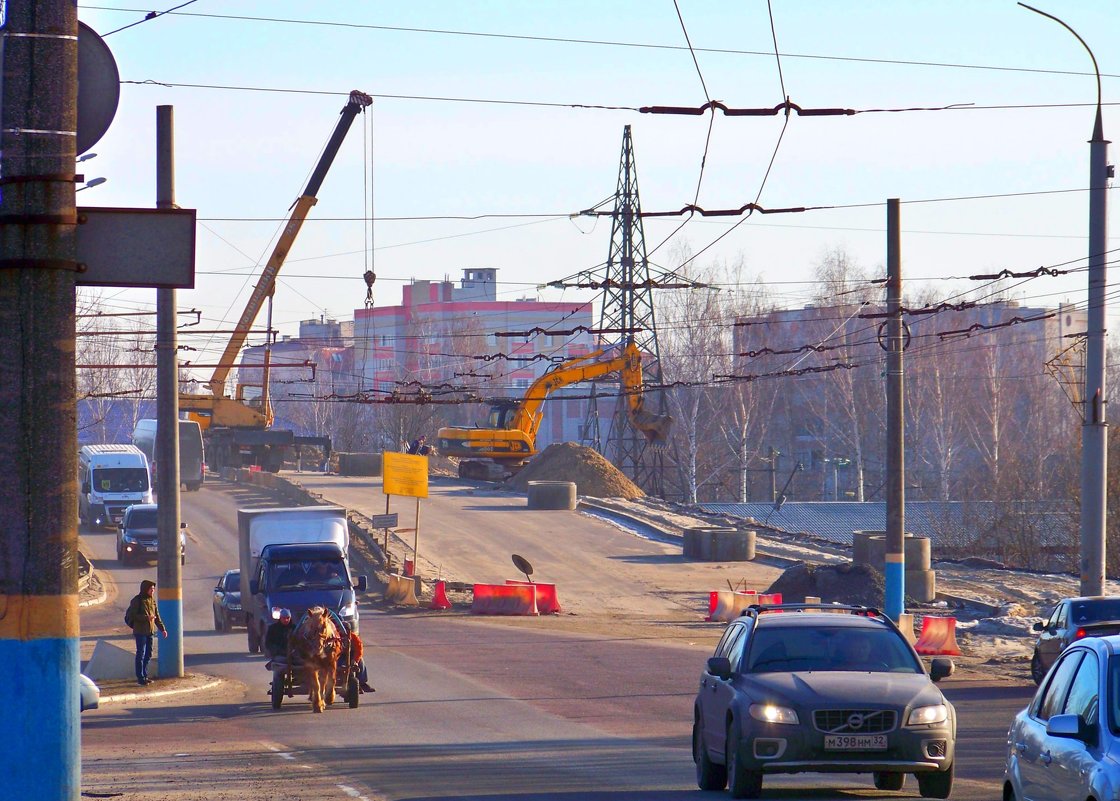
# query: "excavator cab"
[[501, 414]]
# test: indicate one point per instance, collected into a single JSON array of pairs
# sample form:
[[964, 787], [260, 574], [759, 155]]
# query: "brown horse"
[[318, 643]]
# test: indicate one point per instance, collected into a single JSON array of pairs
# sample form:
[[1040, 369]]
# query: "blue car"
[[1065, 746]]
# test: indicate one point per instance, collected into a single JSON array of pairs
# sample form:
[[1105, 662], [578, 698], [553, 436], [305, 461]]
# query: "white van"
[[110, 479], [191, 454]]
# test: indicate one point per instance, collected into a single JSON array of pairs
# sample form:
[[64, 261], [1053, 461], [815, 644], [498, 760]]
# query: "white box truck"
[[294, 558], [110, 479]]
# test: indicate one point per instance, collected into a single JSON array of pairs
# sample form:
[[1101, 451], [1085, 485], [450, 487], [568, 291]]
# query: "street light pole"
[[1094, 426]]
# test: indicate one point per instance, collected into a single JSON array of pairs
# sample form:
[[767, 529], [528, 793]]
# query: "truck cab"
[[298, 577]]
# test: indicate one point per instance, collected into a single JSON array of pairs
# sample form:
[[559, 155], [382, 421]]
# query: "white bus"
[[192, 456], [110, 479]]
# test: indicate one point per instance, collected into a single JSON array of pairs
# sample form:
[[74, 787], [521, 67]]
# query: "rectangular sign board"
[[384, 521], [404, 474], [136, 247]]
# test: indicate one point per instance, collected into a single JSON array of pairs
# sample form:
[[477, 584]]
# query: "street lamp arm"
[[1087, 49]]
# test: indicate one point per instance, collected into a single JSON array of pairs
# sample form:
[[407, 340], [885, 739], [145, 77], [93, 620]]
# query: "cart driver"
[[276, 640]]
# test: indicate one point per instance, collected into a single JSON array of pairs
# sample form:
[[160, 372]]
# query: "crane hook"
[[370, 278]]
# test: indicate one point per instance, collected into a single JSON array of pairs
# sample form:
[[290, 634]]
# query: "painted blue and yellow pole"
[[40, 732]]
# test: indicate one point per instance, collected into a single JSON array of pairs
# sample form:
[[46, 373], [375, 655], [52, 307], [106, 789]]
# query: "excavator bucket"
[[655, 427]]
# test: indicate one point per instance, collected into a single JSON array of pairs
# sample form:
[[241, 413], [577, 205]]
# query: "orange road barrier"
[[770, 598], [725, 605], [504, 599], [938, 637], [439, 598], [547, 601]]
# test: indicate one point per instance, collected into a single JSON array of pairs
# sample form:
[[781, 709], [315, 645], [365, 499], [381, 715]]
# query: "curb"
[[124, 697]]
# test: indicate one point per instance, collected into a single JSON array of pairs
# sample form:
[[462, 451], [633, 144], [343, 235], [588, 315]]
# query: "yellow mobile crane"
[[238, 431], [509, 437]]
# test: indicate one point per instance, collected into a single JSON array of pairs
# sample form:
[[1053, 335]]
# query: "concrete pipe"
[[718, 544], [921, 585], [917, 552], [861, 547], [359, 464], [552, 495]]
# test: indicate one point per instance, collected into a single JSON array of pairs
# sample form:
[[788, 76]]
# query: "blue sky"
[[243, 155]]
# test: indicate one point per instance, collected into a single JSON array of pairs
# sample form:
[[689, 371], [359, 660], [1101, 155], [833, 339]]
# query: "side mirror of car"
[[254, 586], [361, 584], [941, 668], [1073, 727], [719, 666], [1039, 626], [85, 488]]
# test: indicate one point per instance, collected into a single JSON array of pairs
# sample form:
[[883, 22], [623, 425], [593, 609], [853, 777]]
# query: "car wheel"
[[886, 780], [936, 785], [1037, 673], [741, 782], [709, 775]]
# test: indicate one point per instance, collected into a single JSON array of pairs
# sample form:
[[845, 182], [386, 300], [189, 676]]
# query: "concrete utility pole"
[[39, 729], [895, 567], [1094, 417], [169, 583]]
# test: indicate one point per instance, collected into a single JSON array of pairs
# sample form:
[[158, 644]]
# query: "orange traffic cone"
[[439, 599]]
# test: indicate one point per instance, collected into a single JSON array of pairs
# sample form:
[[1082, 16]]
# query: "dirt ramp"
[[593, 475]]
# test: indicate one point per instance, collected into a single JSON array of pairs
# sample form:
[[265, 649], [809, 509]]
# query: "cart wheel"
[[352, 692], [277, 690]]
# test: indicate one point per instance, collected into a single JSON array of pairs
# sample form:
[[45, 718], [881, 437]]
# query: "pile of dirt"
[[845, 583], [593, 475]]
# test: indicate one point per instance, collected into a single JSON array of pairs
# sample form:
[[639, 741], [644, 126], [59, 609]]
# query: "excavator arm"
[[511, 439]]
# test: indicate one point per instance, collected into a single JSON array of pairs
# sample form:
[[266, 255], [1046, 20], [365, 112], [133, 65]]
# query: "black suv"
[[821, 688], [138, 535]]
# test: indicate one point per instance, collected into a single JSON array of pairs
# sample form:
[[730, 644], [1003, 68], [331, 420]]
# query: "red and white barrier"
[[504, 599], [547, 601], [938, 637], [725, 605]]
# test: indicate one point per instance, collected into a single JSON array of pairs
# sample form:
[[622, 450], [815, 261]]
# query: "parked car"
[[138, 535], [1064, 745], [227, 602], [795, 688], [89, 696], [1072, 620]]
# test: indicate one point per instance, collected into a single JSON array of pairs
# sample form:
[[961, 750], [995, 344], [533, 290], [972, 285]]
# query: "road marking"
[[350, 791]]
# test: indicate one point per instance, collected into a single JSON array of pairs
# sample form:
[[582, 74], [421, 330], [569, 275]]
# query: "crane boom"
[[266, 285]]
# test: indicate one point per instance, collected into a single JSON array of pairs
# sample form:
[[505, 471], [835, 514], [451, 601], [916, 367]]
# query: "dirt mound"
[[860, 585], [593, 475]]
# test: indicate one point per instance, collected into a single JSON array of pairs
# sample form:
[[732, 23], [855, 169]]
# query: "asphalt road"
[[465, 707]]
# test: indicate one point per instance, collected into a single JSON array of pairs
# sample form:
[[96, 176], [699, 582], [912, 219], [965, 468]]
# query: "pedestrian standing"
[[143, 617]]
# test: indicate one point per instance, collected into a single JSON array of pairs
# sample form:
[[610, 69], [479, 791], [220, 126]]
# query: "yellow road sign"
[[404, 474]]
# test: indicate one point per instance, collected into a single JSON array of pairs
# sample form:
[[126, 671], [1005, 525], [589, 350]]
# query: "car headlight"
[[772, 713], [924, 715], [348, 610]]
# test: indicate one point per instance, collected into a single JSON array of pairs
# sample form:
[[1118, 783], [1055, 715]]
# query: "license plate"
[[152, 548], [855, 742]]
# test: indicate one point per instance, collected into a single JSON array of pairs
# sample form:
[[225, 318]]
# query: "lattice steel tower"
[[627, 305]]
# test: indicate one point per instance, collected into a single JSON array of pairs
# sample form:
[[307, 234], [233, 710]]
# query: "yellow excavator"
[[509, 437], [238, 431]]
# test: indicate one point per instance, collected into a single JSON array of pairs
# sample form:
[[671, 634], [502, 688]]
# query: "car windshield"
[[319, 574], [233, 582], [143, 518], [120, 479], [1094, 611], [805, 648]]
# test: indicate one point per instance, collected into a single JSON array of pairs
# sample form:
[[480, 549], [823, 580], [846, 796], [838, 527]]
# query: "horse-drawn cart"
[[316, 665]]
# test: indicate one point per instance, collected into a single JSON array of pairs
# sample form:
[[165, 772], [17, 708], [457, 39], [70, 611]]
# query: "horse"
[[317, 642]]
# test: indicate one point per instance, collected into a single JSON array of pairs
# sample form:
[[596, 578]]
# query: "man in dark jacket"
[[143, 617], [276, 639]]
